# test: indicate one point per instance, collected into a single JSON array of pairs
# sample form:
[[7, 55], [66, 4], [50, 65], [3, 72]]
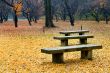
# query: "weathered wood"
[[73, 37], [57, 53], [72, 32], [64, 39], [57, 58], [70, 48]]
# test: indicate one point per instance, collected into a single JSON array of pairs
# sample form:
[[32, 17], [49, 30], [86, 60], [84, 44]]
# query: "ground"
[[20, 48]]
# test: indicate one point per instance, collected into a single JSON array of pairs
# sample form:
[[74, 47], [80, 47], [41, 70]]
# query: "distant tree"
[[48, 14], [56, 9], [4, 11], [16, 6], [38, 9], [32, 10], [69, 12], [90, 8], [27, 10], [95, 10], [105, 10], [71, 7]]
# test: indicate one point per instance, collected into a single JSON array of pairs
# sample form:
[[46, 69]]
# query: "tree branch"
[[7, 3]]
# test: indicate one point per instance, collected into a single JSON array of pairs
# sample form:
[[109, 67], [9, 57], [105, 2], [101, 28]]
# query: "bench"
[[64, 39], [67, 33], [57, 53]]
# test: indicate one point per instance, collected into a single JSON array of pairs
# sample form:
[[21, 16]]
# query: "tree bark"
[[15, 19], [29, 21], [69, 13], [48, 14], [1, 19]]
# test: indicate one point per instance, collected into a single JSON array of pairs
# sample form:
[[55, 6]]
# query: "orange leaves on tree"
[[18, 8]]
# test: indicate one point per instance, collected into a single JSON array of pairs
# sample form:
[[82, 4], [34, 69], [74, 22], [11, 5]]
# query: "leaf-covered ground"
[[20, 48]]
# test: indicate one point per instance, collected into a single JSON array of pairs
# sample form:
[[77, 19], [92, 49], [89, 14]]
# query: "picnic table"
[[80, 32], [57, 52], [84, 47], [64, 39]]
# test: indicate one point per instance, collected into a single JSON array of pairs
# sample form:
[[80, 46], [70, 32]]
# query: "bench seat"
[[73, 37], [67, 33], [57, 53], [64, 39]]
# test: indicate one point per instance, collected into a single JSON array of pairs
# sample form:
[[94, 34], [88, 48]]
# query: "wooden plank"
[[64, 39], [72, 32], [70, 48], [73, 37]]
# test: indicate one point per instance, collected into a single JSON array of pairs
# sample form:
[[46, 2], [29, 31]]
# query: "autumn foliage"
[[20, 48], [18, 8]]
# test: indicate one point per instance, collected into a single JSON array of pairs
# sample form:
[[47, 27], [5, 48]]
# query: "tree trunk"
[[56, 18], [69, 13], [15, 19], [106, 19], [29, 22], [1, 19], [97, 17], [105, 14], [48, 14], [5, 17], [35, 20], [29, 19], [64, 17]]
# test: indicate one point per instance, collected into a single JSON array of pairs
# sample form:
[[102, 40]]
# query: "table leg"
[[64, 42], [83, 41], [67, 34], [86, 54], [81, 33], [57, 58]]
